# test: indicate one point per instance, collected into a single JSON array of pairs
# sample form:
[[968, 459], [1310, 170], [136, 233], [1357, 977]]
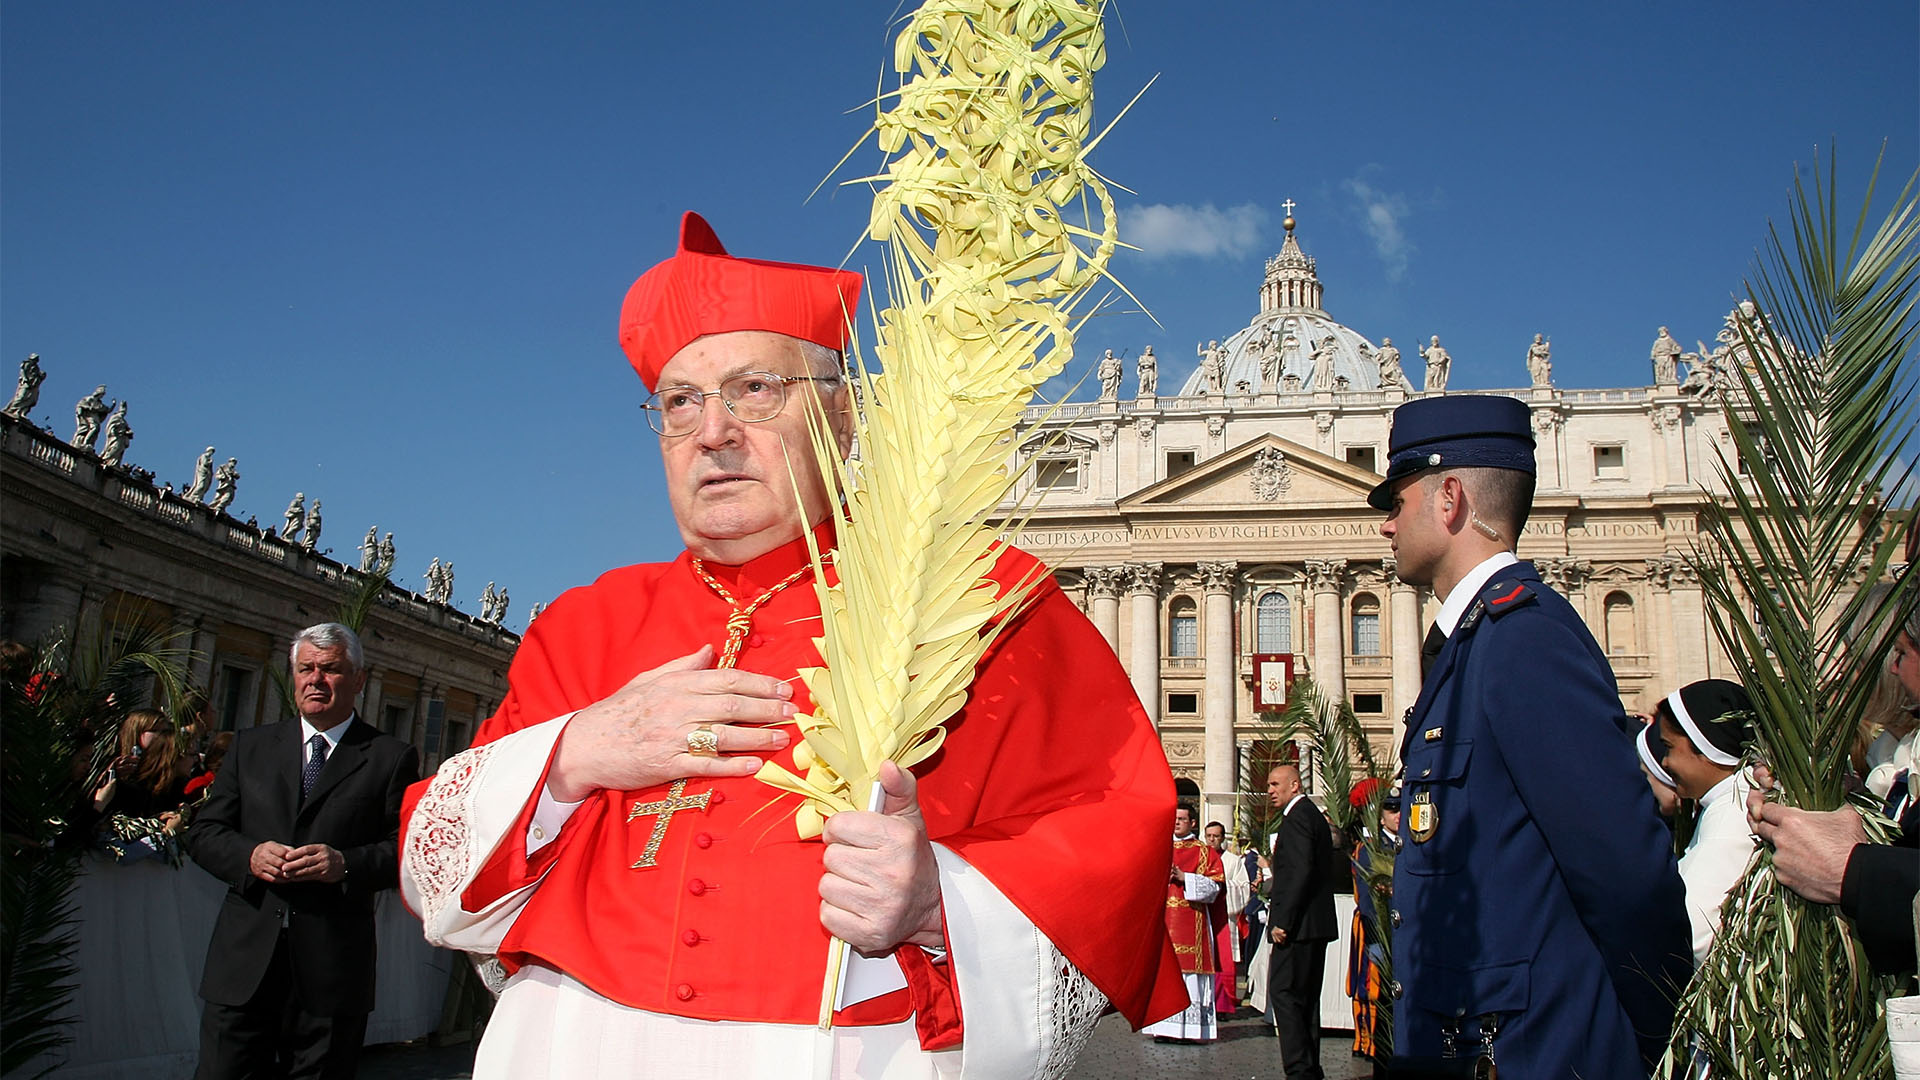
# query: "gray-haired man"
[[302, 824]]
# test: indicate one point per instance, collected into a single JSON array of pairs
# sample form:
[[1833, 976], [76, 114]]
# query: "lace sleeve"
[[1068, 1007]]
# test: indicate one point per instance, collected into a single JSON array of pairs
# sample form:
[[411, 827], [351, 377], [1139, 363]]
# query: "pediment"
[[1057, 442], [1266, 471]]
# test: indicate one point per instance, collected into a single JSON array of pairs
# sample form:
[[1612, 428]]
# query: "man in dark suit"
[[302, 824], [1539, 917], [1299, 922]]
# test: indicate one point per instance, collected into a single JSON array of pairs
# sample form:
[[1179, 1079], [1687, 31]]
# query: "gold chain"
[[741, 620]]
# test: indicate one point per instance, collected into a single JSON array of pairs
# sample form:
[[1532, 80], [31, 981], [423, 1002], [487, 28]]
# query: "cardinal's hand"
[[637, 737], [882, 885]]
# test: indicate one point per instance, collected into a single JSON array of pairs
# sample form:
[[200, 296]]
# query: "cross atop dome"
[[1292, 283]]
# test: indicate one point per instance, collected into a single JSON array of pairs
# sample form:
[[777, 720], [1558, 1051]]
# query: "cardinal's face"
[[738, 489]]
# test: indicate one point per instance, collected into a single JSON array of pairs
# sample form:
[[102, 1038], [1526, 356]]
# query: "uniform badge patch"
[[1422, 818], [1432, 734]]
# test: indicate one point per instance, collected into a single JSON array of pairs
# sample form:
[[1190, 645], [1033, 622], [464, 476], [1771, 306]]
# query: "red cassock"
[[1187, 923], [1051, 783]]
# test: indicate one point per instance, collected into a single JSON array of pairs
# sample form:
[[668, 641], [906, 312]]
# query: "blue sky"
[[377, 252]]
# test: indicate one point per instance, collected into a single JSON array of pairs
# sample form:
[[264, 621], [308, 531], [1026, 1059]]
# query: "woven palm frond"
[[1821, 415]]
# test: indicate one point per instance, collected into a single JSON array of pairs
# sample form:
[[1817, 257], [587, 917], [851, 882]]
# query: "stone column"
[[372, 699], [1217, 583], [1404, 607], [1325, 577], [1103, 601], [1690, 630], [1670, 435], [1143, 588], [1659, 623], [199, 640], [418, 736], [1568, 577], [1547, 454]]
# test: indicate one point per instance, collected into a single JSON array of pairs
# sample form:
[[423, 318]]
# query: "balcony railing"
[[1369, 661], [1183, 663]]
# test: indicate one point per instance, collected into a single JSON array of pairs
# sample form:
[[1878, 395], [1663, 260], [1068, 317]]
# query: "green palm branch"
[[1335, 732], [72, 714], [1822, 413]]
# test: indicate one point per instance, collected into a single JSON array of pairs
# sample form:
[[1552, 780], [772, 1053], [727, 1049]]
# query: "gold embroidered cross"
[[676, 801]]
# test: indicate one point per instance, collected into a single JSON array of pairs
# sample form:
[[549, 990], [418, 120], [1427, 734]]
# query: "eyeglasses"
[[752, 397]]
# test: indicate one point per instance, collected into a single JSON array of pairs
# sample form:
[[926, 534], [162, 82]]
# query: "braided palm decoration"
[[987, 142]]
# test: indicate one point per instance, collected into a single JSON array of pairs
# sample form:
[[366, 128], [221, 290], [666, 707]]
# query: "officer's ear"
[[1450, 502]]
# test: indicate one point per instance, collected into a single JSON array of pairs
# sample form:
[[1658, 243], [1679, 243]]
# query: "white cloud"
[[1164, 232], [1383, 215]]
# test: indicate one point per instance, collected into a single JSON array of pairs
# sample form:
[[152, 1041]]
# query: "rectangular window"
[[1368, 704], [234, 682], [1186, 636], [436, 716], [1056, 473], [1183, 704], [1610, 462], [1363, 457], [1178, 461], [396, 722], [1366, 633]]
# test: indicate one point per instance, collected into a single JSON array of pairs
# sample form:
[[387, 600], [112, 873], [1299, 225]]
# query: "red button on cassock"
[[683, 992], [697, 887], [717, 798], [691, 937], [756, 641], [702, 840]]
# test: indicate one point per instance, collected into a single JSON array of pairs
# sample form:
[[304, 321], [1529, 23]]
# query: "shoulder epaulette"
[[1508, 594]]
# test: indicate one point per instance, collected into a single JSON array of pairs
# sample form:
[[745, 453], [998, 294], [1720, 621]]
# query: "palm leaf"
[[1822, 414]]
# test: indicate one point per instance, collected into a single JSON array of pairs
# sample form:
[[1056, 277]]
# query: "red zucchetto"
[[703, 290]]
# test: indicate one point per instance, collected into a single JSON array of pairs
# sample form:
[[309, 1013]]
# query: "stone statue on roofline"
[[1322, 358], [385, 564], [1149, 368], [1392, 375], [1439, 364], [370, 550], [487, 601], [88, 412], [432, 589], [26, 394], [1666, 359], [1112, 370], [202, 476], [1213, 366], [1540, 361], [226, 483], [295, 517], [119, 434], [313, 527]]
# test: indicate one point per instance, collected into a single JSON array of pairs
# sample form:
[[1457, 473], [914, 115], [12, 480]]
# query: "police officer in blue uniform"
[[1540, 919]]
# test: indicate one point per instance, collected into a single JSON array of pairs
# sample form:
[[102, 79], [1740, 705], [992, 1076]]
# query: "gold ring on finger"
[[702, 742]]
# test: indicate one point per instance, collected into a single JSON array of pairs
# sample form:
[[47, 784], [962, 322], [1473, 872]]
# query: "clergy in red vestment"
[[643, 906], [1222, 916], [1194, 882]]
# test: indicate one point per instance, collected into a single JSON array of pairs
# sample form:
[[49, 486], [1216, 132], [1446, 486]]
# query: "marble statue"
[[1439, 363], [1213, 366], [1270, 367], [370, 550], [295, 516], [1149, 368], [1322, 357], [1666, 360], [1706, 371], [87, 414], [1392, 375], [446, 582], [487, 600], [1540, 361], [500, 606], [226, 481], [1112, 370], [119, 434], [534, 611], [385, 563], [312, 541], [202, 476], [432, 591], [27, 394]]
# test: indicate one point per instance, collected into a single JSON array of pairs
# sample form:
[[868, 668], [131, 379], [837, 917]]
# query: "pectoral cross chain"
[[677, 800]]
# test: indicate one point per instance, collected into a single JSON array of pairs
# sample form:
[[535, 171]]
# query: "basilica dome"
[[1287, 344]]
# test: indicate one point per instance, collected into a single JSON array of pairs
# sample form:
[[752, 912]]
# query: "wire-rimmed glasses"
[[751, 396]]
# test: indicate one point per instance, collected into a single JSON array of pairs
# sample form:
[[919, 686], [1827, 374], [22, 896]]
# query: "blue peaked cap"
[[1466, 431]]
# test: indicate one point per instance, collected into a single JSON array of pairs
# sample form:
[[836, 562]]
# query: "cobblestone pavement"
[[1246, 1050]]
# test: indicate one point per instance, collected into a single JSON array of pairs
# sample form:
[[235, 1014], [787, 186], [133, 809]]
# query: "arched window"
[[1623, 636], [1366, 625], [1273, 624], [1183, 628]]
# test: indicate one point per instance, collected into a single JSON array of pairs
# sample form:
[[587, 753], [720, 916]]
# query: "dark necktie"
[[314, 764], [1430, 649]]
